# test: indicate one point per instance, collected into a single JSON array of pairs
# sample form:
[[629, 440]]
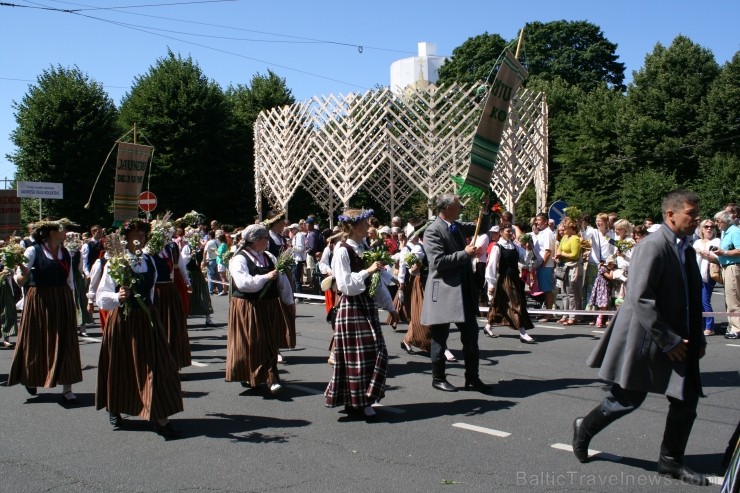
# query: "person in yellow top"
[[569, 255]]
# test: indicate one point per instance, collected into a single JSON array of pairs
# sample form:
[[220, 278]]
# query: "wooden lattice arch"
[[393, 147]]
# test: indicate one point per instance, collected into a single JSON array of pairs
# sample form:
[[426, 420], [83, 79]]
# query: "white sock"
[[523, 334]]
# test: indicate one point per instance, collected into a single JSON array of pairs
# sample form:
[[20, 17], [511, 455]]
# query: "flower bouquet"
[[624, 246], [192, 218], [73, 243], [525, 239], [161, 234], [411, 259], [284, 264], [11, 256], [377, 254], [120, 268]]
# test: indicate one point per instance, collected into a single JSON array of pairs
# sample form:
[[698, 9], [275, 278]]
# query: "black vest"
[[144, 282], [49, 272], [254, 269], [166, 266], [94, 249]]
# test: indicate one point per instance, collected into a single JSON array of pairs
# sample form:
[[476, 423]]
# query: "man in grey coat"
[[655, 340], [450, 294]]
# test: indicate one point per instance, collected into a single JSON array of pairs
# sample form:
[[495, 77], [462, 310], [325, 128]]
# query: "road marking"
[[602, 455], [198, 364], [480, 429], [305, 389], [598, 331], [390, 409], [734, 345], [90, 339]]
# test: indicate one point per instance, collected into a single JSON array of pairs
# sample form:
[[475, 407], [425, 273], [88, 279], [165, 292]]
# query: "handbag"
[[715, 273], [561, 272]]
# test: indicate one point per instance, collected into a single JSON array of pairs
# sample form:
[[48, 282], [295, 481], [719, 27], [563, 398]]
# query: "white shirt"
[[353, 283], [244, 281], [601, 248], [96, 275], [543, 241], [414, 248], [298, 243], [703, 246], [30, 254], [107, 296], [495, 256], [482, 243], [210, 250], [324, 264]]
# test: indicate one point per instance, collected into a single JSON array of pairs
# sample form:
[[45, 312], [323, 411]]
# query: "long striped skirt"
[[252, 342], [83, 316], [287, 334], [47, 352], [360, 355], [8, 311], [403, 307], [182, 288], [170, 309], [136, 372], [200, 298], [418, 335], [509, 304]]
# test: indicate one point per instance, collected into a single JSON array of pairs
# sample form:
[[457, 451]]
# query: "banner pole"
[[41, 216]]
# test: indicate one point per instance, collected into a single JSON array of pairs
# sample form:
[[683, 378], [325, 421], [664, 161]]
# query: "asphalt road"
[[514, 439]]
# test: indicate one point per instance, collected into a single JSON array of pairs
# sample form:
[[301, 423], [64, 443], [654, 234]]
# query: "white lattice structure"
[[393, 146]]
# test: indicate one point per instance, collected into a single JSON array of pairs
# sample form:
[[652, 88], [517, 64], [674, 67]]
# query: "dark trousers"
[[468, 336]]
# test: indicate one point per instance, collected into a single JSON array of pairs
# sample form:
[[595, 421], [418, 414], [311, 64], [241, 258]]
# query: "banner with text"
[[131, 164], [10, 213], [487, 138]]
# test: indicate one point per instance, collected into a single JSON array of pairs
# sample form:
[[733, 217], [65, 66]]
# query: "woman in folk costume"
[[418, 335], [167, 258], [8, 310], [74, 245], [47, 352], [182, 280], [275, 223], [361, 358], [137, 375], [505, 286], [256, 320], [200, 300], [329, 285], [402, 299]]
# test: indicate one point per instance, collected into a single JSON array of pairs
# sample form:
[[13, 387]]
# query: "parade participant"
[[275, 222], [47, 352], [8, 310], [361, 358], [450, 295], [256, 320], [181, 280], [73, 244], [505, 287], [137, 375], [200, 300], [167, 258], [655, 340], [418, 334], [96, 274]]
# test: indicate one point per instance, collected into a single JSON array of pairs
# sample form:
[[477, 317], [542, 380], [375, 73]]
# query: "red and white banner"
[[10, 213]]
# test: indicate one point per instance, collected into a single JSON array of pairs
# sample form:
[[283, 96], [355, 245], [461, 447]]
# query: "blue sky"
[[237, 39]]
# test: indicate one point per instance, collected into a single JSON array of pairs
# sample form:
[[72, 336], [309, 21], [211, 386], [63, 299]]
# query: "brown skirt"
[[136, 372], [182, 287], [47, 352], [170, 309], [418, 335], [403, 308], [253, 341], [509, 305], [287, 334]]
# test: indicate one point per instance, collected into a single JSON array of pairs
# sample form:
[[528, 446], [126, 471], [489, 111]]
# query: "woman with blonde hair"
[[360, 354], [704, 257], [568, 255]]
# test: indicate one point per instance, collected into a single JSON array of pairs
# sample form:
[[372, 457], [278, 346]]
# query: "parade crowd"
[[144, 279]]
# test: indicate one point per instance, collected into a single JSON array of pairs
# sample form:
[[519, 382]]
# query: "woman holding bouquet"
[[47, 352], [136, 372], [200, 300], [256, 320], [360, 354]]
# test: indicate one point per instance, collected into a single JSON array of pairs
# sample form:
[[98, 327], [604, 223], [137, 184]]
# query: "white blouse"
[[703, 246], [248, 283], [106, 296], [495, 256], [30, 254], [353, 283]]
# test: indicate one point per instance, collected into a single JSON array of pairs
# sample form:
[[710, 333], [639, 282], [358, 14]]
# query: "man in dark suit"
[[450, 294], [655, 340]]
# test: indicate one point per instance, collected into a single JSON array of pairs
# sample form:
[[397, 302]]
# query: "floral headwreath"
[[364, 214], [192, 218], [57, 225], [269, 222], [136, 224]]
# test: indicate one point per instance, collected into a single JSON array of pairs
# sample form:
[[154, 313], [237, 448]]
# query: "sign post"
[[40, 190], [147, 201], [557, 211]]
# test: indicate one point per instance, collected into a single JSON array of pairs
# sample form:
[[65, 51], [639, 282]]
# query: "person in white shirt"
[[602, 246], [298, 244], [544, 251], [479, 263]]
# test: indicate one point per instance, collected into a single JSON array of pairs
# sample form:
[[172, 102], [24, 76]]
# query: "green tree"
[[718, 182], [720, 112], [641, 192], [66, 126], [473, 60], [187, 119], [575, 51], [589, 173], [662, 119], [246, 102]]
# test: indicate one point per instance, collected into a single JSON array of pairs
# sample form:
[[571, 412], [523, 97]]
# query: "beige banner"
[[131, 164]]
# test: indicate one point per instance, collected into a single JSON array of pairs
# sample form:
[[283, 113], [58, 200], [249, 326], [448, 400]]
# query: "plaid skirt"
[[47, 352], [509, 304], [360, 355], [418, 335], [253, 340], [136, 372], [170, 309]]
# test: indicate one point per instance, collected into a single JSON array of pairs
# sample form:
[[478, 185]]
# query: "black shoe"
[[167, 431], [476, 384], [670, 467], [116, 420], [525, 341], [732, 335], [580, 441], [30, 390], [442, 384], [69, 401], [406, 348]]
